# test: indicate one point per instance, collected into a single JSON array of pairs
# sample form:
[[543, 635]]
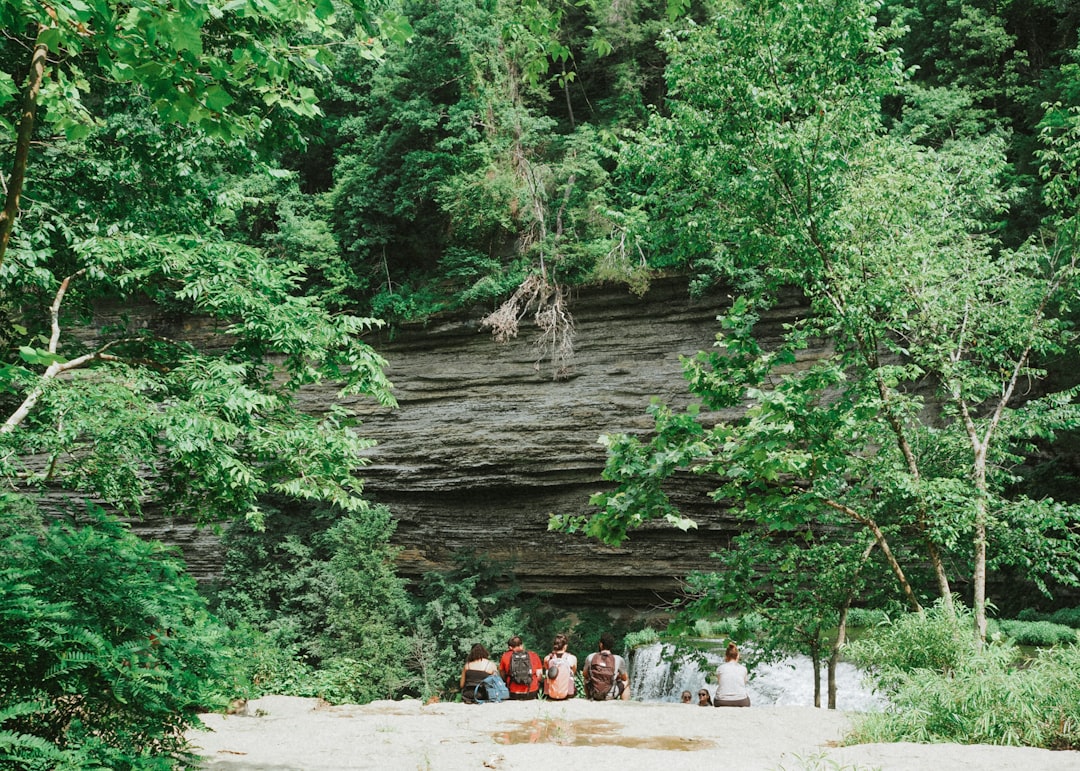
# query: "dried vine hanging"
[[547, 302]]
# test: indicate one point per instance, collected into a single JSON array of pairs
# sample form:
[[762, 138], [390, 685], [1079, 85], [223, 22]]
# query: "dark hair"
[[514, 641], [607, 641], [559, 643], [732, 652], [478, 652]]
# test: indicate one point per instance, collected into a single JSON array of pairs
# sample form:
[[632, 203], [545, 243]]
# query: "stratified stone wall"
[[485, 445]]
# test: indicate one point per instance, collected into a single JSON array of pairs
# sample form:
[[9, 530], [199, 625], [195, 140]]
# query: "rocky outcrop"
[[485, 445]]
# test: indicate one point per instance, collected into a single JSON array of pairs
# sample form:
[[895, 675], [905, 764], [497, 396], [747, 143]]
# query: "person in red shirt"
[[521, 670]]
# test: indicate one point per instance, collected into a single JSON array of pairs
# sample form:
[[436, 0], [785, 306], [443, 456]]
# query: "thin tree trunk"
[[815, 657], [978, 576], [841, 628], [880, 540], [834, 659], [566, 93], [22, 145]]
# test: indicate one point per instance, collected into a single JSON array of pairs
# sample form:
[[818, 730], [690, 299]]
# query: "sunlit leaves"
[[200, 63]]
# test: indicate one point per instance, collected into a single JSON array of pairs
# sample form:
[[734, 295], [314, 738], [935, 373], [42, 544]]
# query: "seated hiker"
[[605, 673], [521, 669], [477, 667], [559, 670], [732, 680]]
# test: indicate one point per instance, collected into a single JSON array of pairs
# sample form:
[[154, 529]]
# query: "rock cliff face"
[[485, 445]]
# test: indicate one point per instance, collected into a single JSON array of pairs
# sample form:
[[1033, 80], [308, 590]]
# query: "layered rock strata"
[[486, 445]]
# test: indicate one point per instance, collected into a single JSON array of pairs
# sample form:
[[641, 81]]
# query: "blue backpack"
[[492, 689]]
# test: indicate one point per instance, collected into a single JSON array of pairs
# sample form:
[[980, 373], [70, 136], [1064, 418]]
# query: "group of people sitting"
[[520, 673], [732, 680]]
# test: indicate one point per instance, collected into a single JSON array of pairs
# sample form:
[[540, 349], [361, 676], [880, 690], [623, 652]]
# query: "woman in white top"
[[732, 679]]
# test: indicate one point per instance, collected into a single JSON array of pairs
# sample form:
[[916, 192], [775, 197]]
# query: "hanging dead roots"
[[547, 303]]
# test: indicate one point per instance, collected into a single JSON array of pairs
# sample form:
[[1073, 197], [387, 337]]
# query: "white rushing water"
[[654, 677]]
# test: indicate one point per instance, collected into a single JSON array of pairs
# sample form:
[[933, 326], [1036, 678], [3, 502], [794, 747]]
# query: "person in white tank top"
[[732, 680]]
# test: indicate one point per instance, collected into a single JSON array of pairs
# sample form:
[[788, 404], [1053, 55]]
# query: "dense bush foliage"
[[1043, 634], [944, 687], [1063, 616], [106, 648], [319, 611]]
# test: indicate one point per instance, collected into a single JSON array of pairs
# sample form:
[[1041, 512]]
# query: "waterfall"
[[659, 673]]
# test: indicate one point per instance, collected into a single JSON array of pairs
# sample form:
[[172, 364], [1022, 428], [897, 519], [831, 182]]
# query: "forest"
[[300, 173]]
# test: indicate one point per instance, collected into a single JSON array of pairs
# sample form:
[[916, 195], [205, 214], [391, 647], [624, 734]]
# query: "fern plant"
[[108, 651]]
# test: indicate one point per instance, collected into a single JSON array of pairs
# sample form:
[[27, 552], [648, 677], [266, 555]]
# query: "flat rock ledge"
[[281, 733]]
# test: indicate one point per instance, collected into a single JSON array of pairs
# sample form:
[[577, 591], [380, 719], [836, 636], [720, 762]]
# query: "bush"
[[865, 618], [107, 649], [322, 609], [938, 640], [985, 700], [730, 627], [646, 636], [1064, 616], [1042, 634], [944, 688]]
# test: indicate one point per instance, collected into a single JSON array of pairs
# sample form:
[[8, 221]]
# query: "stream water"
[[655, 676]]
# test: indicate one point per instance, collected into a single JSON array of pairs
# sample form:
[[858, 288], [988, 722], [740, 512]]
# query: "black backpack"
[[601, 675], [521, 671]]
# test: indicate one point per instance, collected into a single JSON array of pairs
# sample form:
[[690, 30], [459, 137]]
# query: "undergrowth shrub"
[[318, 610], [864, 618], [646, 636], [1042, 634], [107, 650], [942, 687], [740, 627], [1063, 616], [324, 610], [937, 640]]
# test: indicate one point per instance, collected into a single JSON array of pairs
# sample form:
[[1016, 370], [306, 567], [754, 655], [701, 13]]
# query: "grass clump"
[[943, 687]]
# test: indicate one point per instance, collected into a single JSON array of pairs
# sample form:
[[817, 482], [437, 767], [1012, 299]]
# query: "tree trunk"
[[978, 576], [22, 144], [815, 657], [834, 658], [882, 542]]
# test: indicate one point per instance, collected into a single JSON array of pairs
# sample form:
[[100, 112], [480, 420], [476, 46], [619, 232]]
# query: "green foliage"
[[943, 689], [1043, 634], [218, 66], [231, 431], [865, 618], [741, 627], [936, 640], [646, 636], [477, 602], [108, 650], [367, 614], [1063, 616], [330, 616]]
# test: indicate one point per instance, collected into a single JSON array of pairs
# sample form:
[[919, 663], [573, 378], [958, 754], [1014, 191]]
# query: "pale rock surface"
[[291, 734]]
